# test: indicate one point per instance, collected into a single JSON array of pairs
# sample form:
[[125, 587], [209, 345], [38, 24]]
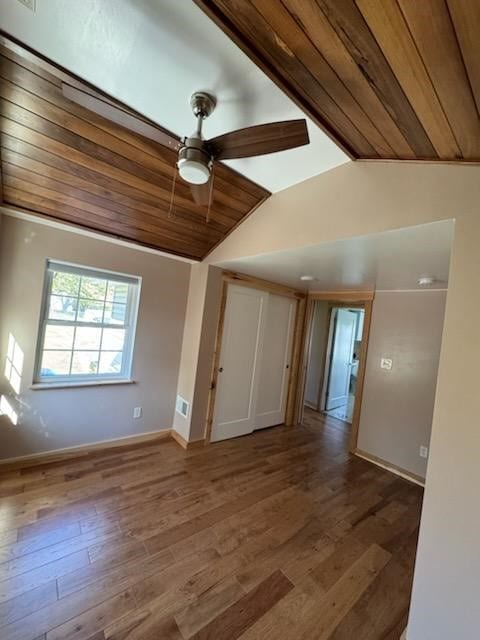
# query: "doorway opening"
[[341, 367], [336, 360]]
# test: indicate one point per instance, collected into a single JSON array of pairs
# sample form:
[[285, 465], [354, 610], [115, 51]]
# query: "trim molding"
[[186, 444], [63, 226], [53, 455], [235, 277], [345, 296], [393, 468]]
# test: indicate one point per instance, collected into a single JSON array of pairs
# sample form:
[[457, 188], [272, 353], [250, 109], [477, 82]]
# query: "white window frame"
[[131, 314]]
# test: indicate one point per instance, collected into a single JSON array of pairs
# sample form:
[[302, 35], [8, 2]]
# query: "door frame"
[[322, 396], [361, 299], [233, 277]]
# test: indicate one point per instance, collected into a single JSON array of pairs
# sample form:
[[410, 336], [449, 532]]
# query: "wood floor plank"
[[94, 620], [35, 578], [278, 535], [23, 604], [241, 615]]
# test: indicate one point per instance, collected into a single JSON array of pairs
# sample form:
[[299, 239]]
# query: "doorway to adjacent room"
[[336, 359]]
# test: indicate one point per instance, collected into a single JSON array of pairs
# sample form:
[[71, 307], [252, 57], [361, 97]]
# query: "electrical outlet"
[[137, 412], [386, 363], [423, 452]]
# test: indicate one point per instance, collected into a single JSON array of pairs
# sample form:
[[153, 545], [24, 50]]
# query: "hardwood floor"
[[281, 534]]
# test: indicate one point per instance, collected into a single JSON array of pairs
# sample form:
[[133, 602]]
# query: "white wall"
[[57, 418], [199, 337], [397, 406]]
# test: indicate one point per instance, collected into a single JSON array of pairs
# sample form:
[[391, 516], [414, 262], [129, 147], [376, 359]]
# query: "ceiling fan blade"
[[260, 140], [112, 111], [201, 193]]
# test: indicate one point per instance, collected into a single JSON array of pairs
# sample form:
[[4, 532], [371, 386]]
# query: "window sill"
[[39, 386]]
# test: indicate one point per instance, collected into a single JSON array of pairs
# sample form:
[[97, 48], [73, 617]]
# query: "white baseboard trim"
[[411, 477], [404, 635], [45, 456]]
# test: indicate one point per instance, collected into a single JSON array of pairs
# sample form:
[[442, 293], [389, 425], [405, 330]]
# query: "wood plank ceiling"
[[395, 79], [62, 161]]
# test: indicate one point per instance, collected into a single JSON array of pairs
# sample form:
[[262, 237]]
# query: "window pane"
[[90, 310], [93, 288], [66, 284], [87, 338], [114, 313], [117, 292], [113, 339], [110, 362], [55, 363], [62, 308], [58, 337], [85, 362]]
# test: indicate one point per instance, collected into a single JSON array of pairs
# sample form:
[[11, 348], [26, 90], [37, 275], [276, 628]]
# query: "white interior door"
[[341, 359], [237, 380], [275, 362]]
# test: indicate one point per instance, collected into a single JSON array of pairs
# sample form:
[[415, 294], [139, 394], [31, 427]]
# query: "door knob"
[[220, 370]]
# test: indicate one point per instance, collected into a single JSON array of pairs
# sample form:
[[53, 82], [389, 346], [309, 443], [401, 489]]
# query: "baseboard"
[[407, 475], [186, 444], [53, 455], [404, 635]]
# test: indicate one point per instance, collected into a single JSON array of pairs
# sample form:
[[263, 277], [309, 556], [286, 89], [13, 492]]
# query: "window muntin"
[[87, 326]]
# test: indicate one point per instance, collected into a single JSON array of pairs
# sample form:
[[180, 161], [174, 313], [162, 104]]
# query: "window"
[[87, 325]]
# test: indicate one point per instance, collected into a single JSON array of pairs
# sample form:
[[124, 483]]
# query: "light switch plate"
[[386, 363], [137, 412]]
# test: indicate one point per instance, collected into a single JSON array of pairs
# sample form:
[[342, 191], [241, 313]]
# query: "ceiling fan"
[[197, 156]]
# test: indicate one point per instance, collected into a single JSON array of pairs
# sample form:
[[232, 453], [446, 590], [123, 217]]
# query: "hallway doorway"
[[336, 358], [341, 366]]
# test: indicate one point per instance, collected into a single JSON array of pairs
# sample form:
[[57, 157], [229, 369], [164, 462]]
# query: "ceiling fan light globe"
[[193, 171]]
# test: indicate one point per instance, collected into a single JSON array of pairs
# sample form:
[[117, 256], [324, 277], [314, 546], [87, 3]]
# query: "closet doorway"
[[254, 363]]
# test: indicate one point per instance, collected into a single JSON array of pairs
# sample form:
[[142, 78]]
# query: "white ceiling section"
[[393, 260], [152, 55]]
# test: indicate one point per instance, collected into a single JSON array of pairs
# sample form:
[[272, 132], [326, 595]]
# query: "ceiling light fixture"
[[425, 281], [307, 278]]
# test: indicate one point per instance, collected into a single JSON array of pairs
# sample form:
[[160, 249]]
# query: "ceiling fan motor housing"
[[194, 162]]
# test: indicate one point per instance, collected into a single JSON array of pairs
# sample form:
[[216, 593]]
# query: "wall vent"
[[182, 406], [30, 4]]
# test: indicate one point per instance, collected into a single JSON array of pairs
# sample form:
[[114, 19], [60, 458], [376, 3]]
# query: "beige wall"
[[58, 418], [316, 359], [199, 337], [369, 197], [397, 407]]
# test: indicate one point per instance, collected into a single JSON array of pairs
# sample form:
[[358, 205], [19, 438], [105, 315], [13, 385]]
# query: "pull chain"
[[210, 194], [172, 195]]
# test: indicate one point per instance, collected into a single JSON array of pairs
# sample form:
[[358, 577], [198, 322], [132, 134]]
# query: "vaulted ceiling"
[[385, 79], [62, 161], [393, 79]]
